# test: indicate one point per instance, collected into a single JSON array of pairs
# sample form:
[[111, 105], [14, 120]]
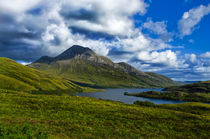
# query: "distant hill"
[[83, 66], [191, 81], [198, 87], [14, 76], [198, 92], [187, 82]]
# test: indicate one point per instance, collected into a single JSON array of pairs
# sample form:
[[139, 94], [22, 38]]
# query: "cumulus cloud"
[[47, 26], [103, 16], [30, 29], [58, 38], [17, 6], [159, 28], [188, 68], [196, 68], [156, 27], [205, 55], [166, 58], [191, 18], [192, 58]]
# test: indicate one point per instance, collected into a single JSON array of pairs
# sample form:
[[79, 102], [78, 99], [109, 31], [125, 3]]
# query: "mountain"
[[83, 66], [14, 76]]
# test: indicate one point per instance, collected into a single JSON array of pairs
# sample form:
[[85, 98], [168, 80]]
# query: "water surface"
[[118, 95]]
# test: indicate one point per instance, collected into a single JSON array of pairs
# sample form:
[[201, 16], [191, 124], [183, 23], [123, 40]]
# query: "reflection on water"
[[118, 95]]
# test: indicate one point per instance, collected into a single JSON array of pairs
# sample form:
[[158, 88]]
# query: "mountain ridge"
[[81, 64]]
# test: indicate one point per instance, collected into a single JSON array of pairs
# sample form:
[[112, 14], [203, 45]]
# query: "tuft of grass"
[[144, 103], [25, 131]]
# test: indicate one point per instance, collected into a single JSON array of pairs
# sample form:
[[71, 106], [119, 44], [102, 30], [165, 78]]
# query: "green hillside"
[[81, 65], [198, 92], [50, 116], [14, 76]]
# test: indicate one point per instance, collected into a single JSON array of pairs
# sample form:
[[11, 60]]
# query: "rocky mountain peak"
[[74, 51]]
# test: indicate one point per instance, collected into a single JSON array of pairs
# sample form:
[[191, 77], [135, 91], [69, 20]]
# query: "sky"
[[170, 37]]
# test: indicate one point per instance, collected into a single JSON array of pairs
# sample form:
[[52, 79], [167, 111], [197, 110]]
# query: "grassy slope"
[[198, 92], [81, 117], [14, 76], [100, 75]]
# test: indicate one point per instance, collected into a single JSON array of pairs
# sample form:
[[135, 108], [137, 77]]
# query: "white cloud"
[[108, 15], [17, 6], [66, 39], [156, 27], [167, 58], [191, 58], [191, 41], [24, 63], [140, 42], [191, 18], [51, 31], [205, 55]]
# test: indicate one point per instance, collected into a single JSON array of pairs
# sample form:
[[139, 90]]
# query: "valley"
[[49, 99], [104, 69]]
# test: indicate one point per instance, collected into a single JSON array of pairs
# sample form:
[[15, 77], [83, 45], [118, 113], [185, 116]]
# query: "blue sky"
[[170, 37], [172, 11]]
